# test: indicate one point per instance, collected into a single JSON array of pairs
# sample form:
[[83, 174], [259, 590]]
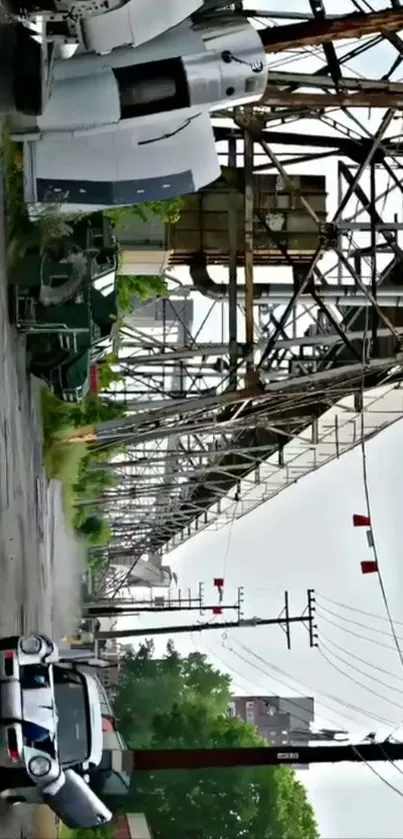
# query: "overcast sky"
[[304, 538]]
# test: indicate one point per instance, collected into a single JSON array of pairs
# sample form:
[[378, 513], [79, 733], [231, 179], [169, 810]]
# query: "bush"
[[77, 467]]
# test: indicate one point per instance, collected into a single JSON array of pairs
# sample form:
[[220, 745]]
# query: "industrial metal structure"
[[254, 373]]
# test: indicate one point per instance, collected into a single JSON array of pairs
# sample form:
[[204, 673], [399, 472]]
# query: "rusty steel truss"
[[236, 388]]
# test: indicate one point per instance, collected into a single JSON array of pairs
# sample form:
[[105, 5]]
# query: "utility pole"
[[112, 607], [151, 760], [284, 621], [115, 608]]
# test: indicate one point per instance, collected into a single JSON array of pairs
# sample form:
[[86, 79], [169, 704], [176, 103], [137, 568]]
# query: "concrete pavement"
[[39, 559]]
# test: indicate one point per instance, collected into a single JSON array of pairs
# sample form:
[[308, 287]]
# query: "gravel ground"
[[39, 560]]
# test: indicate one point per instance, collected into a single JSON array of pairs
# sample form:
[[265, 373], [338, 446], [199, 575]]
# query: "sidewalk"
[[45, 822]]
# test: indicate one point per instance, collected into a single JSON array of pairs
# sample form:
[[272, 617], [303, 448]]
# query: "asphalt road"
[[39, 568]]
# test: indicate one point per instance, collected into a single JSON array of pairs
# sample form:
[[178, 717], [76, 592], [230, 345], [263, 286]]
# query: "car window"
[[74, 724]]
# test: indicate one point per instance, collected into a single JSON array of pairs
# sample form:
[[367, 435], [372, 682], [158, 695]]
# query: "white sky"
[[304, 538]]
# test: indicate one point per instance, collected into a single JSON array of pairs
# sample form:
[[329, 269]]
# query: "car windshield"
[[72, 708]]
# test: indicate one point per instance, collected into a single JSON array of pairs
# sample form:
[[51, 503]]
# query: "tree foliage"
[[169, 211], [177, 702], [131, 287]]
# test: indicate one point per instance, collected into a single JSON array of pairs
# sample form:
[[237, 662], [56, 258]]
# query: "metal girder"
[[320, 31], [198, 451]]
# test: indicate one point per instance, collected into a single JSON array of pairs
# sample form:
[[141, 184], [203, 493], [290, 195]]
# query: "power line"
[[356, 609], [356, 634], [356, 623], [378, 774], [244, 678], [331, 697], [357, 751], [362, 660], [352, 679]]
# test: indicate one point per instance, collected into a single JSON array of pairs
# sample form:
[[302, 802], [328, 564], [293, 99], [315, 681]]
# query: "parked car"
[[50, 730]]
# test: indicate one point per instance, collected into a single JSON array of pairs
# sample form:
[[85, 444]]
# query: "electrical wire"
[[331, 697], [354, 609], [357, 623], [362, 660], [375, 771], [264, 687], [355, 634], [369, 765], [352, 679], [331, 722]]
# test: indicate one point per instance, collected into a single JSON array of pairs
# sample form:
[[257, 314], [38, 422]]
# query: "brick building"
[[282, 721]]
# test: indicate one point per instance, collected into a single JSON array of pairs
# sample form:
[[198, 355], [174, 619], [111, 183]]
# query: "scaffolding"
[[240, 384]]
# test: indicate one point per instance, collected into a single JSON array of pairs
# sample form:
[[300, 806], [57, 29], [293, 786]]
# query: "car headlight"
[[39, 766], [31, 645]]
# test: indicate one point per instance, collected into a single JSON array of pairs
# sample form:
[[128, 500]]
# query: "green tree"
[[177, 702], [253, 802], [158, 684], [96, 530], [129, 287], [168, 211]]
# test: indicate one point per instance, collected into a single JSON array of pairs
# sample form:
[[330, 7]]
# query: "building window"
[[284, 732], [231, 709], [250, 712]]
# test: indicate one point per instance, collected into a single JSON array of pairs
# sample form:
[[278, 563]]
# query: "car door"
[[74, 802]]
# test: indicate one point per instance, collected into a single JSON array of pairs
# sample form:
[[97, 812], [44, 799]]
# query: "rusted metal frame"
[[349, 84], [321, 31], [370, 207], [292, 302], [374, 273], [249, 243], [368, 294], [316, 256], [277, 98], [319, 13], [284, 174], [386, 120], [232, 275], [295, 161], [281, 324]]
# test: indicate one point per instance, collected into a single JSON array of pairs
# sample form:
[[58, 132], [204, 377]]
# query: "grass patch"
[[18, 226], [62, 460], [78, 467]]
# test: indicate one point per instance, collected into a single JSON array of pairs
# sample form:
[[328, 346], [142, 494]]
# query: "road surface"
[[39, 560]]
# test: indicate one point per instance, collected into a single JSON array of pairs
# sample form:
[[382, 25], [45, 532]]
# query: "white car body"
[[50, 725]]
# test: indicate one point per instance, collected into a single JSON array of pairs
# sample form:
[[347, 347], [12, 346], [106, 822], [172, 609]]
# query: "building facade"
[[282, 721]]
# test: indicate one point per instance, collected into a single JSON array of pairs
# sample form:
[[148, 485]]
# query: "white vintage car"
[[50, 730]]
